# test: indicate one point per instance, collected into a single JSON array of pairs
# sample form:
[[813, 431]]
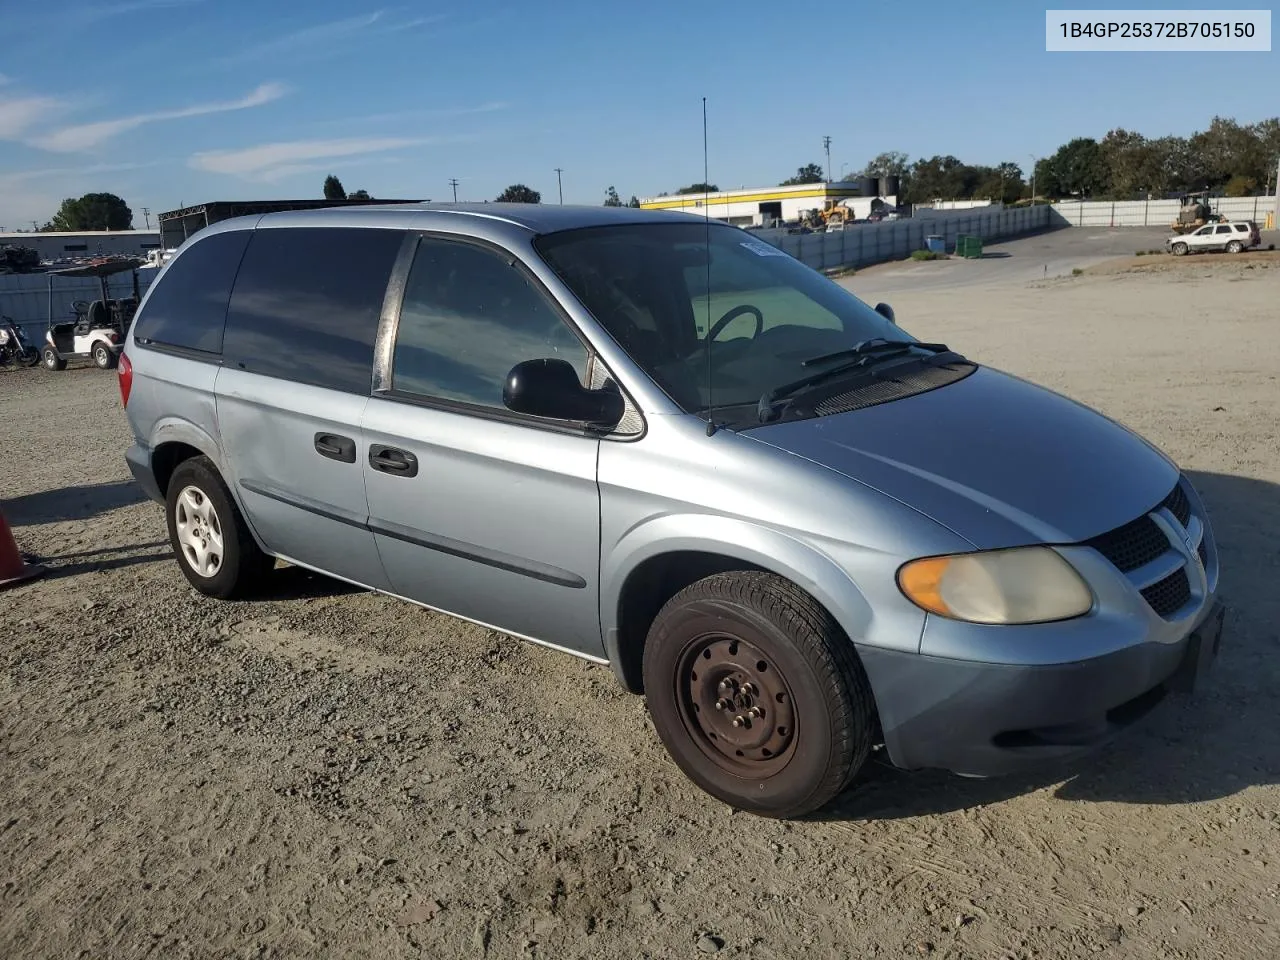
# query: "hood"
[[999, 461]]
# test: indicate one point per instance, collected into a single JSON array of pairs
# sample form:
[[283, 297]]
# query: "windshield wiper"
[[862, 354], [874, 345]]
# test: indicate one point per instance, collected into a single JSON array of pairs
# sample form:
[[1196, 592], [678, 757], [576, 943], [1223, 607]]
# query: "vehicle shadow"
[[1191, 749], [71, 503], [298, 583]]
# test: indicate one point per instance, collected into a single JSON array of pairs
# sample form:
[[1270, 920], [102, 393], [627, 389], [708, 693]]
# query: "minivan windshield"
[[647, 285]]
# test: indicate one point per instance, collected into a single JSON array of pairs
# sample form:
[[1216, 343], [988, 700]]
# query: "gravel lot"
[[330, 773]]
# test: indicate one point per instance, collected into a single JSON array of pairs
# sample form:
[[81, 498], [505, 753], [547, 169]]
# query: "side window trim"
[[389, 328]]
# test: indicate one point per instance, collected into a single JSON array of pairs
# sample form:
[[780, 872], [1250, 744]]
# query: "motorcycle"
[[15, 348]]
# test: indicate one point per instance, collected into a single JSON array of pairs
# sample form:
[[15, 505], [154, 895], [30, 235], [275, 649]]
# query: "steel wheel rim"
[[100, 355], [199, 532], [736, 705]]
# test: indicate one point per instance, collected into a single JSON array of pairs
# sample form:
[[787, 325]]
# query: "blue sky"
[[167, 102]]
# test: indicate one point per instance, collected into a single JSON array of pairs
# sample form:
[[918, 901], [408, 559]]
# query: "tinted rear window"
[[306, 304], [188, 306]]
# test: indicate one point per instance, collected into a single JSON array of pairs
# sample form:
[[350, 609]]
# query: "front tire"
[[208, 534], [51, 359], [29, 357], [757, 694], [1179, 249]]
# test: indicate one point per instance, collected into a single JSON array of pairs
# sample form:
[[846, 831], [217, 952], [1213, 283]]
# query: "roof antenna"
[[706, 215]]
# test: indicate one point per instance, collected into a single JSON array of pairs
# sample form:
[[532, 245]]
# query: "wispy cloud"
[[327, 35], [108, 10], [19, 114], [4, 80], [87, 135], [400, 116], [272, 161]]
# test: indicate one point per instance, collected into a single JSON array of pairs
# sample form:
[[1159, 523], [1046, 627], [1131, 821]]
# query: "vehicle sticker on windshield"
[[761, 249]]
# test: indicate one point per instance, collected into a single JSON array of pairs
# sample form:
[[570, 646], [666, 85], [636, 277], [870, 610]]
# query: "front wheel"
[[1179, 249], [29, 357], [51, 359], [208, 534], [757, 694]]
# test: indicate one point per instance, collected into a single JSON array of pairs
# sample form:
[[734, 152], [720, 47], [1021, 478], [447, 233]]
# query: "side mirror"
[[886, 311], [550, 388]]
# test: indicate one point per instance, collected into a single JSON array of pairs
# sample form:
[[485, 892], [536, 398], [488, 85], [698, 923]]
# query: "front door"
[[478, 511]]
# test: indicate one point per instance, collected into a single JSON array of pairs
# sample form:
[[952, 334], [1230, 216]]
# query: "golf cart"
[[96, 329]]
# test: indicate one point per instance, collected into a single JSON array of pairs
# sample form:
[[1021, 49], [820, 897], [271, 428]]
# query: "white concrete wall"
[[868, 243], [1154, 213]]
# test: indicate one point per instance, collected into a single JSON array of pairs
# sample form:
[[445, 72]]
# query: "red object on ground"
[[13, 569]]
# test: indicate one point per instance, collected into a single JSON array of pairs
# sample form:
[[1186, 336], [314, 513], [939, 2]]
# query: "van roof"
[[535, 217]]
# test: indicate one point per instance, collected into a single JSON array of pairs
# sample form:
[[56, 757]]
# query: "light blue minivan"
[[660, 443]]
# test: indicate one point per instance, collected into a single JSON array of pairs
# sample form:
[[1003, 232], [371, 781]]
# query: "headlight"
[[1024, 585]]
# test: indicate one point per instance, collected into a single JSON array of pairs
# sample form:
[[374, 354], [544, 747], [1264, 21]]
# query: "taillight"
[[124, 371]]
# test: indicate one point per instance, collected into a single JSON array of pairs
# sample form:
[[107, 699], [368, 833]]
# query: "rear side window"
[[306, 304], [188, 306]]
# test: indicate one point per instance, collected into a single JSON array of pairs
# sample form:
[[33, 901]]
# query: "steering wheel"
[[732, 315]]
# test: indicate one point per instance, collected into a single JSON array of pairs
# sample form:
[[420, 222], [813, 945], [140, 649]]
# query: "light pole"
[[560, 185], [1033, 178]]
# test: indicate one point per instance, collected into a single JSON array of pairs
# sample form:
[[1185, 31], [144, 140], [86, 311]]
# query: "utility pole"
[[453, 182], [146, 212], [826, 145], [1033, 178], [560, 185]]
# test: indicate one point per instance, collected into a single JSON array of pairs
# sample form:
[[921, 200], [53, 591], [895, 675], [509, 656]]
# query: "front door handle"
[[399, 463], [342, 449]]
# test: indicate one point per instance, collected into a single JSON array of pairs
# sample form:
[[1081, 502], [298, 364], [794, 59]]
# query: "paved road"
[[1014, 261]]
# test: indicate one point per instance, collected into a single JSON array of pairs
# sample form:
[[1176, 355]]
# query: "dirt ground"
[[330, 773]]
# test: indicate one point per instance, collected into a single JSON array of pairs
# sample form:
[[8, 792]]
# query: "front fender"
[[804, 564]]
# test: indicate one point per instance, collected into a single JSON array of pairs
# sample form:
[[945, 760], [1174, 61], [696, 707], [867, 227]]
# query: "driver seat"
[[99, 316]]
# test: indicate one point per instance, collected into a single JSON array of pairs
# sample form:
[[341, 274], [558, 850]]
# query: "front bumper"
[[989, 719]]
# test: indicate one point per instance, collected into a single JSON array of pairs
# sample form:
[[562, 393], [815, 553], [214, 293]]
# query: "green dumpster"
[[969, 247]]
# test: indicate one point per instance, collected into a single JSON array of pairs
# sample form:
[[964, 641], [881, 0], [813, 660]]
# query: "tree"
[[809, 173], [333, 188], [360, 195], [634, 201], [698, 188], [611, 198], [1239, 186], [1076, 170], [894, 163], [519, 193], [1003, 184], [93, 211]]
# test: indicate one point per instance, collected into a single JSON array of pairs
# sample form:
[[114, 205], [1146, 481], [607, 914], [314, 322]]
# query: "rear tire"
[[757, 694], [208, 534], [1235, 246], [51, 359], [103, 358], [1179, 249]]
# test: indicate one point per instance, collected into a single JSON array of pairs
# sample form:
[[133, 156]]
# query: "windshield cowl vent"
[[892, 385]]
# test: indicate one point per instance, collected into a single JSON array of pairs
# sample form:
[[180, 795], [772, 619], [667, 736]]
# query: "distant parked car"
[[1234, 237]]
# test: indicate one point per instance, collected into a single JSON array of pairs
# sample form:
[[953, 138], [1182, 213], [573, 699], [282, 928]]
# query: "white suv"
[[1234, 237]]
